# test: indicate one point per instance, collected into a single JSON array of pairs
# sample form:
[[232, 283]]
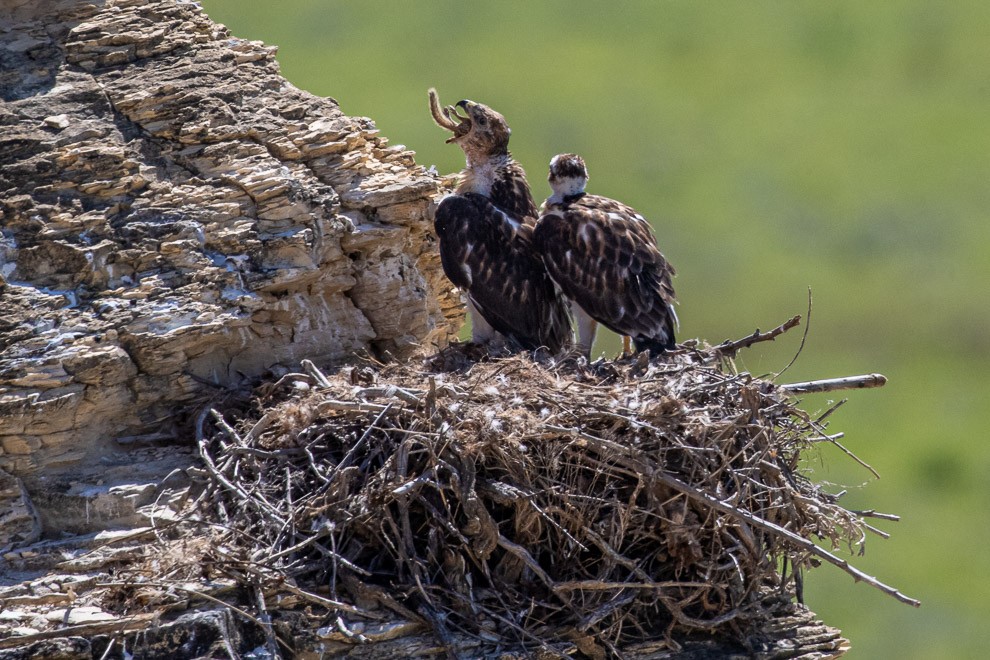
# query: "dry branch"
[[833, 384], [730, 348], [135, 622], [733, 511]]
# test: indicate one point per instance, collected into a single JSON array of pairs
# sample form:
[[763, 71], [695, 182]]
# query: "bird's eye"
[[482, 121]]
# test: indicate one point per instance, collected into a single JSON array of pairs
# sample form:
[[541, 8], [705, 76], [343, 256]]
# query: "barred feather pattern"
[[485, 233], [489, 254], [603, 256], [510, 192]]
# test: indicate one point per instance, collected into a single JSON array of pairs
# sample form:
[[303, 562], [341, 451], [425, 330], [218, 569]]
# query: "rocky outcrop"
[[176, 218]]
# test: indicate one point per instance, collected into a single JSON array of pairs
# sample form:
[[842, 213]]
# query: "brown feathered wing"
[[490, 256], [604, 257]]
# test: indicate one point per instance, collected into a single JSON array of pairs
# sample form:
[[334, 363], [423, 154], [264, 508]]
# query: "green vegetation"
[[843, 146]]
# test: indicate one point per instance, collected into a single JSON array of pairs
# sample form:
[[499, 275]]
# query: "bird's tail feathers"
[[656, 346]]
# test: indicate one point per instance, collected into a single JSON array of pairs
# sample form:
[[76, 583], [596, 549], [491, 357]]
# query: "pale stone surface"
[[74, 616], [175, 217]]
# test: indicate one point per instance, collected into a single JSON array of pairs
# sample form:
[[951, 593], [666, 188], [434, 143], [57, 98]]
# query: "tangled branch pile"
[[524, 503]]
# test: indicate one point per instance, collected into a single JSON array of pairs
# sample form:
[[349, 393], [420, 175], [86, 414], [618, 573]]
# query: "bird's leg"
[[586, 327], [481, 330], [626, 346]]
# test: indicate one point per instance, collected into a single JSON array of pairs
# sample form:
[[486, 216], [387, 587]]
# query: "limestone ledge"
[[176, 217]]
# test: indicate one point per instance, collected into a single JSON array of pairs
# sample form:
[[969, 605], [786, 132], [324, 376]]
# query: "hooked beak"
[[463, 121]]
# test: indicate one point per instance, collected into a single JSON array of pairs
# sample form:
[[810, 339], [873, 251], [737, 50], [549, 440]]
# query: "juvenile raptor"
[[485, 231], [603, 256]]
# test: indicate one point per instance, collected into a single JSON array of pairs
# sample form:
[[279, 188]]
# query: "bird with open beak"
[[485, 231]]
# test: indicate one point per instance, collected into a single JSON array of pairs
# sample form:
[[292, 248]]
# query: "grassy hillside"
[[841, 146]]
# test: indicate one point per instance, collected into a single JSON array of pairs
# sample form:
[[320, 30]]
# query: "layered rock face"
[[176, 217]]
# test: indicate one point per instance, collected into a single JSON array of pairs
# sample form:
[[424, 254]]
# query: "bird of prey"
[[485, 230], [603, 256]]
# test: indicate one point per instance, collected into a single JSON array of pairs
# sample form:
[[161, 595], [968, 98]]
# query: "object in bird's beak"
[[447, 117]]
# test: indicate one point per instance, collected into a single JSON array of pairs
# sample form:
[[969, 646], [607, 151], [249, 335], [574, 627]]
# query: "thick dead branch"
[[136, 622], [833, 384]]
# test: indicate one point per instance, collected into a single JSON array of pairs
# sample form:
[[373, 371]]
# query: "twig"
[[523, 554], [431, 398], [359, 445], [597, 585], [266, 623], [329, 603], [870, 513], [828, 438], [834, 438], [879, 532], [853, 456], [342, 628], [833, 384], [314, 468], [804, 338], [127, 624], [333, 405], [730, 348], [692, 622], [409, 396], [310, 540], [212, 469], [619, 600], [293, 378], [832, 409], [754, 520], [314, 371], [257, 453], [260, 426], [797, 540], [106, 651], [369, 633], [226, 428], [617, 557], [438, 627]]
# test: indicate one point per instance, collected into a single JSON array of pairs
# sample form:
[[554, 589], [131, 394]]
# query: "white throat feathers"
[[478, 177], [566, 187]]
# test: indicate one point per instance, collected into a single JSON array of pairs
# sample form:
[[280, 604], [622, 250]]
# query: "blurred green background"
[[842, 146]]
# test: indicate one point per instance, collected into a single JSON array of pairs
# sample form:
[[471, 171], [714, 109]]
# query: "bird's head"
[[477, 129], [568, 175]]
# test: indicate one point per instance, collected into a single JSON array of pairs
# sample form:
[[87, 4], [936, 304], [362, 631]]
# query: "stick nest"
[[521, 501]]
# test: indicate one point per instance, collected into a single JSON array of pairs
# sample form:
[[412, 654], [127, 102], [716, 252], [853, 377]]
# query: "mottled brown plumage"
[[603, 256], [485, 232]]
